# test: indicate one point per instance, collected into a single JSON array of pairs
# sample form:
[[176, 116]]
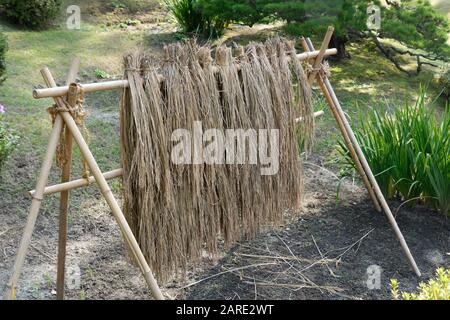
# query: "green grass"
[[409, 152], [369, 81], [30, 51]]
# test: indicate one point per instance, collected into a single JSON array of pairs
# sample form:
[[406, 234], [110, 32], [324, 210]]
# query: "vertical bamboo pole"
[[330, 91], [107, 194], [64, 198], [10, 289], [307, 47]]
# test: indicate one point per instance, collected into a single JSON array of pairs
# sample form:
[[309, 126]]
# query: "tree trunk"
[[339, 43]]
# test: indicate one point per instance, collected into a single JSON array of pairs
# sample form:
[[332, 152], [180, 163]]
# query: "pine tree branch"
[[388, 54], [409, 51]]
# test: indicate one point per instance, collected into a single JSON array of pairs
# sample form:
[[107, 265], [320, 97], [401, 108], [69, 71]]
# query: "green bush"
[[409, 152], [192, 19], [32, 13], [435, 289], [8, 139], [3, 48]]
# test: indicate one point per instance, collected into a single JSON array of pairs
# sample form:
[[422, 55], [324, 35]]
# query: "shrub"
[[435, 289], [409, 153], [8, 139], [192, 19], [32, 13], [3, 48]]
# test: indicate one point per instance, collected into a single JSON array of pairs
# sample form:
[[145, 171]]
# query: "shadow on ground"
[[330, 252]]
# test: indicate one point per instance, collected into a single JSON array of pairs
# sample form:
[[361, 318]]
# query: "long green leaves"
[[192, 19], [409, 152]]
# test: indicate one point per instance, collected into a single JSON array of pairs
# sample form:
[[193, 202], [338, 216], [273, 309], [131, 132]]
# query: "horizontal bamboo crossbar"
[[120, 84], [74, 184], [316, 114]]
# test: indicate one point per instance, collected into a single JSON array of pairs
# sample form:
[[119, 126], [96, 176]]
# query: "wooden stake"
[[107, 194], [307, 47], [328, 90], [10, 289], [65, 177]]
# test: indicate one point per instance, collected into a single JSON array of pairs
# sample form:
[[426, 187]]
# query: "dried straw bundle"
[[177, 211]]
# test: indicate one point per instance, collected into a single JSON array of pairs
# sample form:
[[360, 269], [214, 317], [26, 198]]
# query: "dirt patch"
[[351, 237], [330, 251]]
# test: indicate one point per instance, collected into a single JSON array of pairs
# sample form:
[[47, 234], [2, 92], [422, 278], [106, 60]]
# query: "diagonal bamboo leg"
[[10, 289], [307, 47], [64, 199], [328, 90], [107, 194]]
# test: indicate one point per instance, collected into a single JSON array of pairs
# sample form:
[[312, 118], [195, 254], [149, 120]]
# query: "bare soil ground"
[[324, 254]]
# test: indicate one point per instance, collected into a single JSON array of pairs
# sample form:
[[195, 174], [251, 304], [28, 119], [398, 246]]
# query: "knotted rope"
[[323, 70], [74, 104]]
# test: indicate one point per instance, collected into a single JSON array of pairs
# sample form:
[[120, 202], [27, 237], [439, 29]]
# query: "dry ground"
[[324, 254]]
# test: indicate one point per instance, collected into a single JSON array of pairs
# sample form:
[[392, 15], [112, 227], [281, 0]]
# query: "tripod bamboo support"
[[361, 159], [73, 132], [348, 143], [64, 116]]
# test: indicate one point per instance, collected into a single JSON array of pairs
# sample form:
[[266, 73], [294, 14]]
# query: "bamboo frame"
[[307, 47], [335, 105], [72, 132], [71, 126], [106, 192], [121, 84]]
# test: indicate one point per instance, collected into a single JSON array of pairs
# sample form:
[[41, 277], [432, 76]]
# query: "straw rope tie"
[[37, 198], [323, 70], [78, 113]]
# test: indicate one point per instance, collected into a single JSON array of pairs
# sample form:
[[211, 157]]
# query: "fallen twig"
[[228, 271]]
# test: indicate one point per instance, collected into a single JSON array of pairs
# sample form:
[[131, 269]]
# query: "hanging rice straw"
[[178, 210]]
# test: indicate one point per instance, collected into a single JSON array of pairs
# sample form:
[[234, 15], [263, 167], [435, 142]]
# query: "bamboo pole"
[[321, 55], [10, 289], [121, 84], [307, 46], [315, 115], [65, 177], [75, 184], [108, 195], [90, 87], [328, 90]]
